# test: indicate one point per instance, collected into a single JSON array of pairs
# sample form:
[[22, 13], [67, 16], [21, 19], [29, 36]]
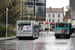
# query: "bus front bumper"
[[23, 36], [61, 35]]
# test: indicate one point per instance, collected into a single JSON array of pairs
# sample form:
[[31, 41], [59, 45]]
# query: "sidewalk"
[[73, 35], [8, 38]]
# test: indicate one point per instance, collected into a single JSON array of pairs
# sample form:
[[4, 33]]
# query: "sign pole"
[[6, 20]]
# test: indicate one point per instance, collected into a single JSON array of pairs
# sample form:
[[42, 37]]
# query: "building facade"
[[35, 8], [72, 12], [54, 14], [72, 9]]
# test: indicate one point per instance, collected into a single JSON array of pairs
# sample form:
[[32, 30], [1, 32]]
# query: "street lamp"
[[6, 20], [20, 16], [34, 10], [35, 18], [28, 17]]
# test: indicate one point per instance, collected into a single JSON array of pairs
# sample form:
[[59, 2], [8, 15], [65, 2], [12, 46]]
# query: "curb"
[[8, 38]]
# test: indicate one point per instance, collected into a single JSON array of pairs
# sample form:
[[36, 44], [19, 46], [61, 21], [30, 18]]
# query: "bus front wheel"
[[36, 37], [57, 37]]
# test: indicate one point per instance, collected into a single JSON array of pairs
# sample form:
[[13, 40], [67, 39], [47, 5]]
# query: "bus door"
[[36, 30], [19, 28]]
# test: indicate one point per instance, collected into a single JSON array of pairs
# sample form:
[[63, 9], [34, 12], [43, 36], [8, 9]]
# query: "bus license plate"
[[61, 35]]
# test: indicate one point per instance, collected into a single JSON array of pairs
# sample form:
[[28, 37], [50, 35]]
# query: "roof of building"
[[56, 10]]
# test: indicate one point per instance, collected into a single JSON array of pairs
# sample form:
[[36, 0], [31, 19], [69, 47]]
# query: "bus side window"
[[20, 27]]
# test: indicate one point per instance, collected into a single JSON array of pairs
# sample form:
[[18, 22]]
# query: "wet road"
[[44, 42]]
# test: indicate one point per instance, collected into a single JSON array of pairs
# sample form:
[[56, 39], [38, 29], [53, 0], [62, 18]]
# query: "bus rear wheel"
[[19, 38], [68, 37]]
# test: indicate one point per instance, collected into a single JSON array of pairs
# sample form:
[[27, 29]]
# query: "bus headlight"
[[67, 32]]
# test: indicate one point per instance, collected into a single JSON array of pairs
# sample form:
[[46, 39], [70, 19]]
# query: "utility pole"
[[6, 20], [21, 8], [34, 10]]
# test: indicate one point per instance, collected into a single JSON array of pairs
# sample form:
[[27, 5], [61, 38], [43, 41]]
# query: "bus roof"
[[24, 21]]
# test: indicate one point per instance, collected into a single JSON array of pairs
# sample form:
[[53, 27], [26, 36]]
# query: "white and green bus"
[[27, 29], [63, 29]]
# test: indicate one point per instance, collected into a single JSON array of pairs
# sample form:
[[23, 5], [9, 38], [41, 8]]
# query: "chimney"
[[50, 9], [62, 8]]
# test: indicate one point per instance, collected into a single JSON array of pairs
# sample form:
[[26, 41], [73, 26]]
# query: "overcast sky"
[[57, 3]]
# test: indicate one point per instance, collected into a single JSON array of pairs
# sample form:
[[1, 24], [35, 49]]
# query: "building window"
[[53, 20], [59, 15], [37, 0], [49, 15], [49, 20], [58, 20], [29, 6], [53, 15]]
